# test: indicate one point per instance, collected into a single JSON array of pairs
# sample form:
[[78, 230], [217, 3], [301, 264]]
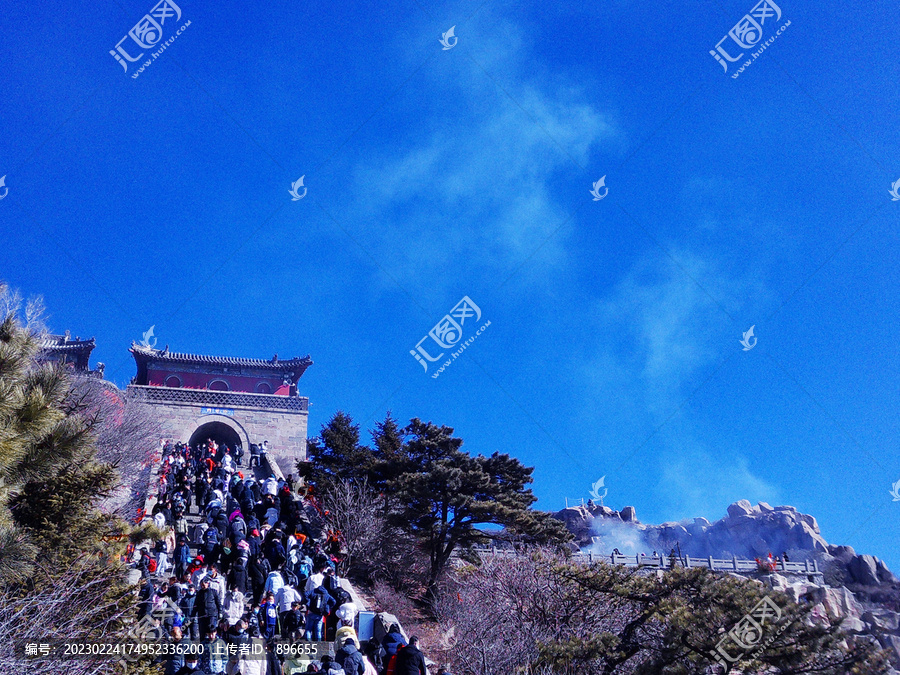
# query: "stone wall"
[[252, 421]]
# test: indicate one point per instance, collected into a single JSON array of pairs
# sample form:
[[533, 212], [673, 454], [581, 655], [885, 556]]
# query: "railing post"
[[734, 561], [711, 566], [687, 561], [590, 557]]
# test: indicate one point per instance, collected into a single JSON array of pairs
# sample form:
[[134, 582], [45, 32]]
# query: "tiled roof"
[[178, 357], [60, 343]]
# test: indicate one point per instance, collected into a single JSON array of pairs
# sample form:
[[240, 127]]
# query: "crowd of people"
[[258, 574]]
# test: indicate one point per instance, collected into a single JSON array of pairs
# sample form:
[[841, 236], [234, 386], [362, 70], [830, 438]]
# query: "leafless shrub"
[[355, 511], [395, 602], [32, 316], [75, 607], [493, 617], [377, 552], [127, 436]]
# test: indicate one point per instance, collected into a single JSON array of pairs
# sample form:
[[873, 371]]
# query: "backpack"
[[317, 605], [331, 584], [211, 537], [151, 566], [304, 569]]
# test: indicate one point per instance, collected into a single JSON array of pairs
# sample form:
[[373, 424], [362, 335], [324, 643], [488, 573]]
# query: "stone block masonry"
[[239, 417]]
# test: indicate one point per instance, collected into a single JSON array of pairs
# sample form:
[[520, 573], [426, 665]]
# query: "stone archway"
[[220, 428]]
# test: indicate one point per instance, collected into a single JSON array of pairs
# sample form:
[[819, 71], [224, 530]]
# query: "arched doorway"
[[220, 432]]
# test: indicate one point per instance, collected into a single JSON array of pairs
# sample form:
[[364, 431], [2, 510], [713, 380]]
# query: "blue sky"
[[434, 174]]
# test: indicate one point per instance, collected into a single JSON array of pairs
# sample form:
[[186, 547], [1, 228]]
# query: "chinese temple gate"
[[230, 400]]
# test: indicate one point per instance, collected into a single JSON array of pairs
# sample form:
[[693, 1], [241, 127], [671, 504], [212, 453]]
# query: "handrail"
[[667, 562]]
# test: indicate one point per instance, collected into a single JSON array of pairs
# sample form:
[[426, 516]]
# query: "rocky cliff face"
[[859, 589]]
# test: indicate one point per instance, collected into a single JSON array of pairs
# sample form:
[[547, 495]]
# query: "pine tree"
[[337, 454], [60, 578], [445, 495]]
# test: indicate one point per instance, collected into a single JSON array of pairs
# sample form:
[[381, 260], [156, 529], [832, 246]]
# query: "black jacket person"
[[410, 661], [207, 607]]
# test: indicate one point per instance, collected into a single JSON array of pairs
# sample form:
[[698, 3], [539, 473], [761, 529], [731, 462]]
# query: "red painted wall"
[[157, 378]]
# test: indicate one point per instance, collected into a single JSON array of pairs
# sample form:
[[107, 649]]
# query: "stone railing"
[[738, 565], [217, 399]]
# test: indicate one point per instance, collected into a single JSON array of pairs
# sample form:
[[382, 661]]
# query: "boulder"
[[740, 508], [864, 570], [628, 515], [577, 519], [809, 520], [842, 553], [883, 573], [808, 538], [383, 623], [841, 603], [882, 620], [764, 508], [814, 594], [776, 582], [854, 625], [891, 642]]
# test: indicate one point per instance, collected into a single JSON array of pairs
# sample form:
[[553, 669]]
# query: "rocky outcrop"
[[862, 594], [864, 569], [747, 531]]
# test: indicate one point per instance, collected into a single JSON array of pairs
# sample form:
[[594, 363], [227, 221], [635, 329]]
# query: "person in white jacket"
[[233, 606], [285, 598], [216, 581], [256, 664], [314, 581], [274, 582], [270, 486]]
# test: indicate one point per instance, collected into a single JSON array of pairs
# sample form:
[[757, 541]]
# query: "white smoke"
[[610, 534]]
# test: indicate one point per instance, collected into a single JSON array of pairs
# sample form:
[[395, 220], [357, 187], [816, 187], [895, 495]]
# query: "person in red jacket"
[[392, 662]]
